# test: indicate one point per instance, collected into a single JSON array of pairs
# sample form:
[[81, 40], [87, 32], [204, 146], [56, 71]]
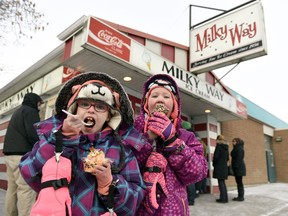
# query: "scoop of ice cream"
[[95, 157], [161, 108], [158, 108]]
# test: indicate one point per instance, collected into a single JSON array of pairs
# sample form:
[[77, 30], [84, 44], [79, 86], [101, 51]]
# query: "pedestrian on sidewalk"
[[220, 172], [19, 139], [238, 166]]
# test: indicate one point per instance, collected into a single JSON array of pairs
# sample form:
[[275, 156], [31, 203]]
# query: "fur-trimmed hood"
[[139, 122], [66, 93]]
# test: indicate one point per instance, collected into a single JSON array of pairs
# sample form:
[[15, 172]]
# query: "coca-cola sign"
[[108, 39], [68, 73]]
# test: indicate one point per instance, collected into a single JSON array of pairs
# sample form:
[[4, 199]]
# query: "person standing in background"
[[19, 139], [238, 166], [220, 172]]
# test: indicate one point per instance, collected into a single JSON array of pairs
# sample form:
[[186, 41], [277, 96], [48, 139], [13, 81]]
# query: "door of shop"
[[271, 169]]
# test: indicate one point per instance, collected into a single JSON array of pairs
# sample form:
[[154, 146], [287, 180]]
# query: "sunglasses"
[[98, 106]]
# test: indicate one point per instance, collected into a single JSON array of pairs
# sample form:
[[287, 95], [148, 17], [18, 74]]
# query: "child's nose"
[[92, 107]]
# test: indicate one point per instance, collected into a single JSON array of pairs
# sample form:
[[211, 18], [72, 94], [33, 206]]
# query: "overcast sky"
[[260, 80]]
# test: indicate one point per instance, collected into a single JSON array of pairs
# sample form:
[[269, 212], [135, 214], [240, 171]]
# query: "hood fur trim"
[[121, 98]]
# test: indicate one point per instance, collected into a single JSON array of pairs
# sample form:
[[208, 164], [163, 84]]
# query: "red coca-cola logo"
[[114, 41], [108, 39], [241, 109]]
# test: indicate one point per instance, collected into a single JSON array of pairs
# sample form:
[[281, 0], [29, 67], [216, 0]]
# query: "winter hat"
[[140, 122], [97, 90], [93, 90], [32, 99], [69, 93], [186, 125], [162, 82]]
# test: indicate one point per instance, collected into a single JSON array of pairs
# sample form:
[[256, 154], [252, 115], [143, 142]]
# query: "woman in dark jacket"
[[220, 172], [238, 166]]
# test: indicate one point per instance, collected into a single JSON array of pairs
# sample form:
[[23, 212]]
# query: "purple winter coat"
[[184, 167], [117, 145], [83, 187]]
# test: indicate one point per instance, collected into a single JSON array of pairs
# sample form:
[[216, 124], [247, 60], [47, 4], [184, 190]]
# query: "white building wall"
[[153, 46], [181, 58]]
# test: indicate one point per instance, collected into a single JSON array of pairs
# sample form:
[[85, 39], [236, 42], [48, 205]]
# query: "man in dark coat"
[[19, 139]]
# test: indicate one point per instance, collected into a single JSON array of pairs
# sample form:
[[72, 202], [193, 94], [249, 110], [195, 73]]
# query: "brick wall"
[[252, 134], [280, 150]]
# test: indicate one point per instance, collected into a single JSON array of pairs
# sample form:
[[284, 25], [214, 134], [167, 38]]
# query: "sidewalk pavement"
[[261, 200]]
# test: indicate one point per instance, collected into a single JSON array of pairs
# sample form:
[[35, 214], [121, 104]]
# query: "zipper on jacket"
[[184, 207]]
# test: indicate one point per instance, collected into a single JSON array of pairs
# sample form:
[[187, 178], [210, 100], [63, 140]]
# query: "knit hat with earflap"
[[97, 86], [96, 90], [157, 81], [162, 83]]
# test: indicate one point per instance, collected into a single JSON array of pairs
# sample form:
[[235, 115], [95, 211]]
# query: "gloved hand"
[[104, 178], [161, 125], [153, 175], [50, 200], [71, 126]]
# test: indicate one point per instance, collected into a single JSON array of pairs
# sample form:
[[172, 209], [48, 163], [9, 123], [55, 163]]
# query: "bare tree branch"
[[19, 18]]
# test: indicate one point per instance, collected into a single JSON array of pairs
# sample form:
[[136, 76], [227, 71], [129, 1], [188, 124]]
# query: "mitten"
[[104, 178], [68, 129], [153, 175], [54, 197], [161, 125]]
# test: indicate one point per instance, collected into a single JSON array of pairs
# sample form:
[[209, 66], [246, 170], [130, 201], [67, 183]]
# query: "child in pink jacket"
[[174, 156]]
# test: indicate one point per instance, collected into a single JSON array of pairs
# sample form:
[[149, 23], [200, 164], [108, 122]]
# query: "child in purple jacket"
[[97, 113], [174, 157]]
